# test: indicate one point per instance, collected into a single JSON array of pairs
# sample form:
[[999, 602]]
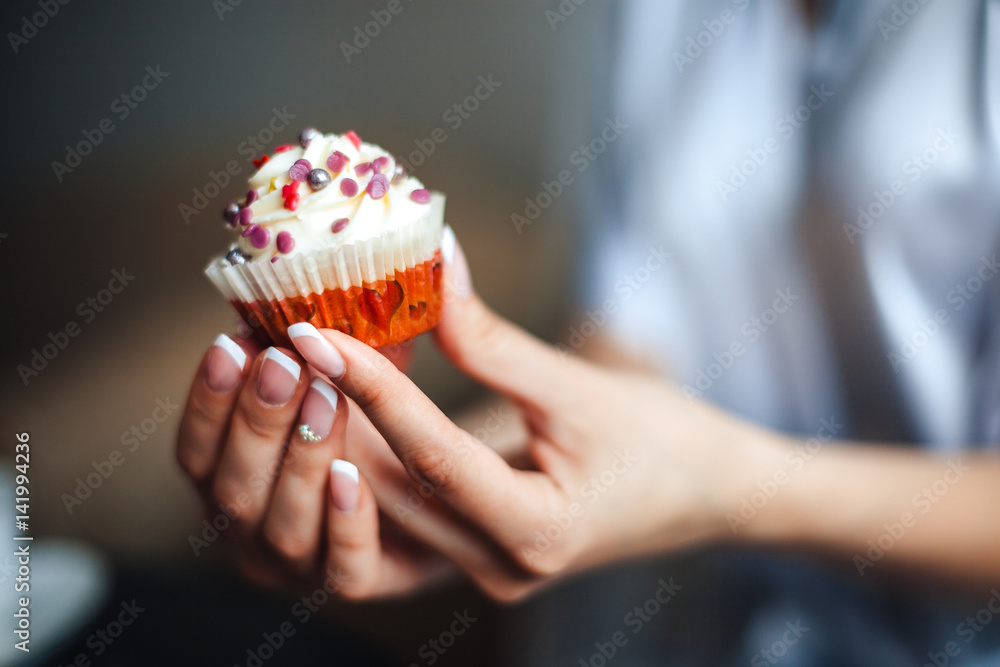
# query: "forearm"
[[880, 507]]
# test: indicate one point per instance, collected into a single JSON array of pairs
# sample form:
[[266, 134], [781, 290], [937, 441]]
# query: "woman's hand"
[[621, 464]]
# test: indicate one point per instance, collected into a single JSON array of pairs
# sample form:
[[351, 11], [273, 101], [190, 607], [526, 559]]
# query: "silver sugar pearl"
[[230, 213], [237, 256], [307, 135], [318, 178], [398, 173]]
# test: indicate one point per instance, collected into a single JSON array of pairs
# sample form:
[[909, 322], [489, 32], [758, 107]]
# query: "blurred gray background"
[[119, 208]]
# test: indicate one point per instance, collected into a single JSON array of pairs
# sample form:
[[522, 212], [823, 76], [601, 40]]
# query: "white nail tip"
[[448, 244], [229, 346], [284, 361], [345, 467], [304, 329], [326, 391]]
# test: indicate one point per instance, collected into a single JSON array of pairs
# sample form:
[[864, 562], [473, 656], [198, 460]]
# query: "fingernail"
[[224, 367], [317, 350], [344, 485], [319, 409], [459, 280], [279, 376]]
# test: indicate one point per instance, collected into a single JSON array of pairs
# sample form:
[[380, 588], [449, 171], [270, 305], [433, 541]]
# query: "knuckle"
[[432, 466]]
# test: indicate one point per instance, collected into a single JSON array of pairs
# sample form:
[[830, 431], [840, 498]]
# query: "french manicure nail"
[[278, 378], [317, 350], [459, 278], [319, 409], [344, 485], [225, 364]]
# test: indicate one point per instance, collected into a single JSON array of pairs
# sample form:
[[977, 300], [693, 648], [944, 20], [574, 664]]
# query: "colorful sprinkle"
[[249, 230], [339, 224], [283, 147], [236, 256], [274, 259], [378, 186], [285, 242], [354, 138], [292, 202], [337, 162], [300, 170], [306, 135], [261, 161], [318, 179], [348, 187], [420, 196], [289, 190], [380, 163], [252, 196], [231, 213], [363, 168], [246, 215], [260, 237]]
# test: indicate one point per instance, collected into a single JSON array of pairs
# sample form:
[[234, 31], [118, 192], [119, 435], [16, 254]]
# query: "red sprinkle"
[[348, 187], [300, 170], [245, 216], [378, 186], [420, 196], [290, 189], [380, 163], [285, 242], [260, 237], [355, 139], [363, 168], [259, 162], [283, 147], [339, 224], [292, 202], [337, 162]]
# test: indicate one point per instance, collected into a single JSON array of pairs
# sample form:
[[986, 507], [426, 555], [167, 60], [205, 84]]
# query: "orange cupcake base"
[[386, 312]]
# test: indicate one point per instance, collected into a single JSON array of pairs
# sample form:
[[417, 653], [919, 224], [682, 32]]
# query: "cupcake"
[[334, 232]]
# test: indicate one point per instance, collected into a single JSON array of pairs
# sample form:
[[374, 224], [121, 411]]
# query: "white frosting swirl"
[[310, 224]]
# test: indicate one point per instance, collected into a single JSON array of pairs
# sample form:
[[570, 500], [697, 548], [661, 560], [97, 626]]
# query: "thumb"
[[489, 348]]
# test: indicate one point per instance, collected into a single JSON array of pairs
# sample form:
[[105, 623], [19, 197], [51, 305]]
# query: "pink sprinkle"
[[249, 230], [299, 170], [274, 259], [380, 163], [245, 216], [339, 224], [285, 242], [363, 168], [348, 187], [260, 237], [337, 162], [378, 186], [252, 196], [420, 196]]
